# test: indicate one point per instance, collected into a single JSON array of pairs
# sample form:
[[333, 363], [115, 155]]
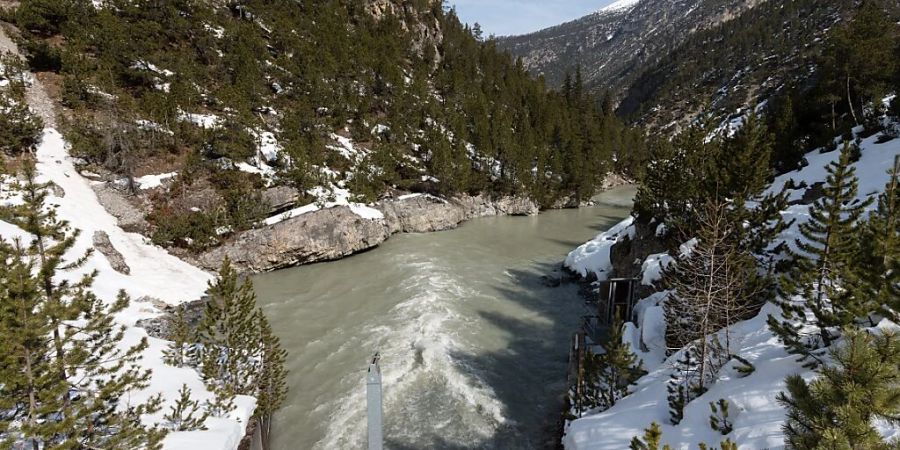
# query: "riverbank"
[[333, 233]]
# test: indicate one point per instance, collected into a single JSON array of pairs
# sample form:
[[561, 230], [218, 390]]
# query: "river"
[[473, 339]]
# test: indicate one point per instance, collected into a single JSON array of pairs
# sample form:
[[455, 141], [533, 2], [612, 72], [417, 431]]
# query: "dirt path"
[[37, 97]]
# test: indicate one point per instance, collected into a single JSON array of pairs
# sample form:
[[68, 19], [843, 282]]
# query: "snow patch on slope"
[[154, 274], [757, 416], [619, 6]]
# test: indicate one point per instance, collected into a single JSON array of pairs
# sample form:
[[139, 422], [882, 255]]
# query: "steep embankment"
[[756, 415], [154, 279]]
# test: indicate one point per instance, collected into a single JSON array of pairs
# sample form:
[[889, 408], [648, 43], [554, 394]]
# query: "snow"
[[268, 146], [144, 65], [594, 256], [653, 266], [346, 148], [871, 169], [619, 6], [756, 414], [340, 197], [153, 181], [154, 274], [206, 121]]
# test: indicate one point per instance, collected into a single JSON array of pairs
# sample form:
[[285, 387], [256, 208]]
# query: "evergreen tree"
[[650, 441], [180, 349], [272, 385], [745, 161], [825, 252], [719, 419], [185, 414], [228, 339], [237, 351], [619, 367], [31, 382], [837, 409], [683, 385], [52, 240], [875, 272], [88, 409], [858, 62]]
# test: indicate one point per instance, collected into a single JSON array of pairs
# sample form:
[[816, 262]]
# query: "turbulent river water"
[[473, 339]]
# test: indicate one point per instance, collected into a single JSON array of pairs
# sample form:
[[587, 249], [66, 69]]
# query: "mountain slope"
[[756, 416], [613, 44], [213, 119]]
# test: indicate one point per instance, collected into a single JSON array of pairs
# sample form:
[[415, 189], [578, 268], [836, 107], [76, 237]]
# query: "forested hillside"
[[765, 250], [327, 99], [684, 59]]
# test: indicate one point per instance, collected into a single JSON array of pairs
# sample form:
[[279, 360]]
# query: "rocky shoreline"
[[335, 233]]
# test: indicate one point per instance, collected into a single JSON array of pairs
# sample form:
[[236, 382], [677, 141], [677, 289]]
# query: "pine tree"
[[87, 409], [31, 383], [875, 272], [52, 241], [837, 409], [683, 385], [185, 414], [272, 385], [826, 251], [103, 416], [76, 397], [719, 419], [744, 162], [858, 61], [650, 441], [180, 349], [237, 351], [228, 339], [619, 367]]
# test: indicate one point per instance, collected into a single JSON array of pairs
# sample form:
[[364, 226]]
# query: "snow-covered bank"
[[756, 415], [154, 274]]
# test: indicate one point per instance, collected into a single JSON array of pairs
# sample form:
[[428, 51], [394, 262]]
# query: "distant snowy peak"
[[619, 6]]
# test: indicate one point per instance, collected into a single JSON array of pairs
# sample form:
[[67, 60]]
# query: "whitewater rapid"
[[473, 339]]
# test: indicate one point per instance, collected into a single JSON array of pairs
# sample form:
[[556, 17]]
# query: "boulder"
[[105, 247], [280, 199], [334, 233], [421, 214], [322, 235]]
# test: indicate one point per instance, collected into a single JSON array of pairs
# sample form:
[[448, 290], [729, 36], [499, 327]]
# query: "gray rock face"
[[104, 246], [337, 232], [323, 235], [280, 198], [161, 326], [130, 218]]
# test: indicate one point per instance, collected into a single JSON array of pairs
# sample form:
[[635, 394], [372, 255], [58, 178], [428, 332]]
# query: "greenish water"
[[474, 341]]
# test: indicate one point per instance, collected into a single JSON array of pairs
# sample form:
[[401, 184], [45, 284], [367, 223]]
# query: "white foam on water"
[[417, 340]]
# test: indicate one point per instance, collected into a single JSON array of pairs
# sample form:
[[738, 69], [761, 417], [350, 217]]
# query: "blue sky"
[[505, 17]]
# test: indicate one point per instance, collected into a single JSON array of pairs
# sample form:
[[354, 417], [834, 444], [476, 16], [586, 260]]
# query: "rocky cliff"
[[334, 233]]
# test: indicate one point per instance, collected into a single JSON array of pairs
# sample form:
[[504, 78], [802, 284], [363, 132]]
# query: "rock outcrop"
[[105, 247], [322, 235], [334, 233], [130, 218]]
